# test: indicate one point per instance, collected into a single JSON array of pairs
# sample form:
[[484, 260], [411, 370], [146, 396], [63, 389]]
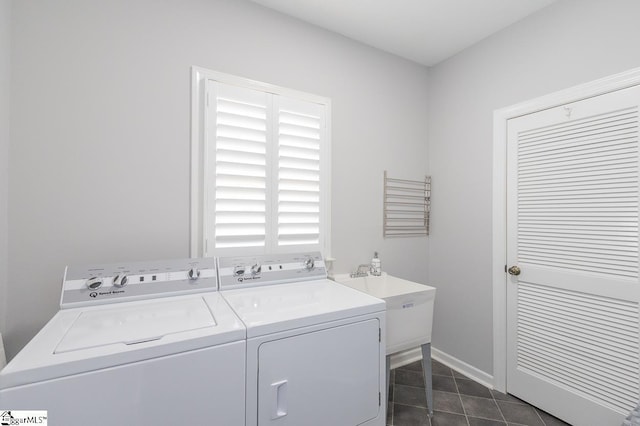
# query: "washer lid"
[[135, 324], [275, 308], [81, 340]]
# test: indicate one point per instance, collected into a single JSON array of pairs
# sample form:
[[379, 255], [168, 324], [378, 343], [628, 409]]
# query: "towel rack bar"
[[404, 226], [407, 219], [407, 197], [402, 212], [403, 203], [397, 188], [408, 234], [411, 182]]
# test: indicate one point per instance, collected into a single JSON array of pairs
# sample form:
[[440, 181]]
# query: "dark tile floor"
[[457, 401]]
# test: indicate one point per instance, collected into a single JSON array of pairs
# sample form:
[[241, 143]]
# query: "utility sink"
[[409, 308], [409, 317]]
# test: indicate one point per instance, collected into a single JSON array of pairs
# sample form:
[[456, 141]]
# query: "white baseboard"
[[400, 359], [462, 367], [412, 355]]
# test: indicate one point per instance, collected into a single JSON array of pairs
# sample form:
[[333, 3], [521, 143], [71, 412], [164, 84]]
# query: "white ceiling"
[[424, 31]]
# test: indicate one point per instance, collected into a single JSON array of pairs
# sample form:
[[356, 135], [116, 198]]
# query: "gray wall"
[[100, 131], [5, 60], [571, 42]]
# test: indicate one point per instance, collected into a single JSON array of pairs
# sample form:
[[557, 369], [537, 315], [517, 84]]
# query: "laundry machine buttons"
[[94, 283], [194, 273], [309, 264], [256, 269], [120, 280]]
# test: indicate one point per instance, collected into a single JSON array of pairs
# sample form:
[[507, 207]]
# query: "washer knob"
[[94, 283], [309, 263], [256, 269], [238, 270], [120, 280], [193, 274]]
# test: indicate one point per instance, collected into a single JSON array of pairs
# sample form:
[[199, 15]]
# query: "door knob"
[[514, 270]]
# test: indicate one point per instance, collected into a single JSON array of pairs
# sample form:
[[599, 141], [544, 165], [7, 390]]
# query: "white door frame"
[[499, 222]]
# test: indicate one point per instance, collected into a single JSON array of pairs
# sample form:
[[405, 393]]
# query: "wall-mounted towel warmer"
[[407, 204]]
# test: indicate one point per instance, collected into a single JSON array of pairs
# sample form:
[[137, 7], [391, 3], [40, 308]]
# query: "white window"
[[260, 168]]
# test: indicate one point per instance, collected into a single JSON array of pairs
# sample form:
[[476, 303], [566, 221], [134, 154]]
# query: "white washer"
[[315, 348], [148, 344]]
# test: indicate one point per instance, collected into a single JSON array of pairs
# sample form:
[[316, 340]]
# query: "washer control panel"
[[120, 282], [251, 271]]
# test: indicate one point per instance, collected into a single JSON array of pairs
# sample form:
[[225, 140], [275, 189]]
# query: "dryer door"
[[326, 377]]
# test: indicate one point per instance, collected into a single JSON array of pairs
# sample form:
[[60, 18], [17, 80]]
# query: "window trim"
[[199, 77]]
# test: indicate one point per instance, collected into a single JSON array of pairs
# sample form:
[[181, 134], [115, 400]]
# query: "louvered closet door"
[[572, 225]]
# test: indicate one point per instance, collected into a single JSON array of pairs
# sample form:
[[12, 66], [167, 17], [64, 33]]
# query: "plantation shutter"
[[238, 196], [300, 126], [264, 173]]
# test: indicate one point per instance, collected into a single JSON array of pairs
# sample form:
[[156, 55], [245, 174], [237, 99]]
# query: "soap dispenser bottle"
[[376, 267]]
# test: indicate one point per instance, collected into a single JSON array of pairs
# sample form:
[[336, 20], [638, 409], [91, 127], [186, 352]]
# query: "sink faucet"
[[362, 271]]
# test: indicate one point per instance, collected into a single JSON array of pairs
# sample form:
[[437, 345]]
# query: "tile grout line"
[[426, 403], [492, 398], [455, 382], [539, 416], [459, 395], [498, 405], [393, 397]]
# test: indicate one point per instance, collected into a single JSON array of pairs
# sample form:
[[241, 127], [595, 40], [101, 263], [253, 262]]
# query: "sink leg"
[[426, 368]]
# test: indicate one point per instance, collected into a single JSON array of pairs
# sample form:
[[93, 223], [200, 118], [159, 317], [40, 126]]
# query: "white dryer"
[[315, 348], [146, 343]]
